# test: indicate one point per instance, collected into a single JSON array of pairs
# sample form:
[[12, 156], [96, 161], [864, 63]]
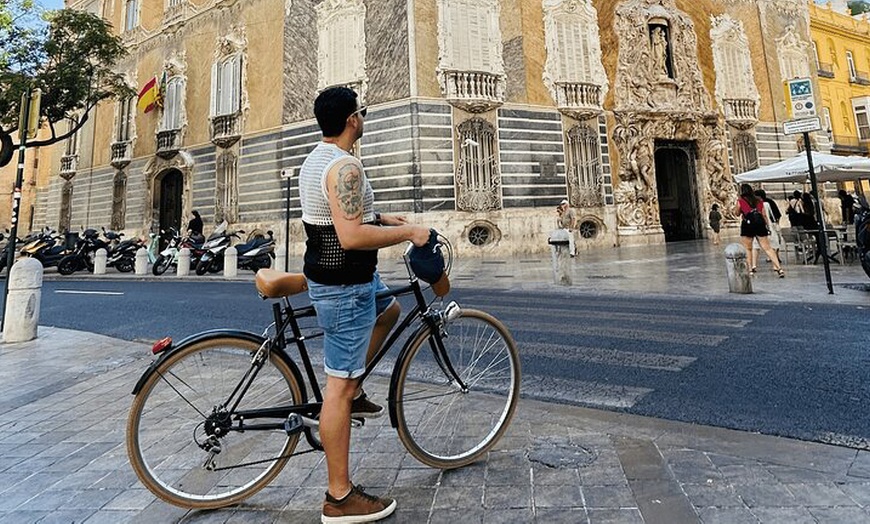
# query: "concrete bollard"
[[231, 262], [561, 250], [280, 261], [142, 261], [739, 279], [183, 267], [100, 259], [22, 305]]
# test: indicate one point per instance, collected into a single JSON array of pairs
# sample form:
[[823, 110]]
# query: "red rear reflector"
[[161, 345]]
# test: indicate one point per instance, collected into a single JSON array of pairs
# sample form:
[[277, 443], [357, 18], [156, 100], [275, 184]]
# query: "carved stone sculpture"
[[659, 51]]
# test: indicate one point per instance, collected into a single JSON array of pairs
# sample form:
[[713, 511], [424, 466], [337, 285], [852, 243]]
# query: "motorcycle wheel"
[[203, 267], [216, 266], [161, 265], [68, 265], [125, 265]]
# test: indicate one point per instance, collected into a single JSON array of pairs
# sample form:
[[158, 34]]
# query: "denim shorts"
[[347, 315]]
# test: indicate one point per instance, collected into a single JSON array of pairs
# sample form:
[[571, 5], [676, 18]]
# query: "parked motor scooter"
[[212, 259], [169, 256], [82, 256], [862, 233], [47, 247], [121, 254], [258, 252]]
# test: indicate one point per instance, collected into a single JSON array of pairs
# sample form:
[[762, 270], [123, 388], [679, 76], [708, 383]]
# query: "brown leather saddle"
[[278, 284]]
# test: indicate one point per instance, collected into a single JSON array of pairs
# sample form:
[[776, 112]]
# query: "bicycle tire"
[[437, 435], [162, 426]]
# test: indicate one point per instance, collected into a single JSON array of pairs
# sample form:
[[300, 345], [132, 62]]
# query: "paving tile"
[[473, 475], [67, 516], [718, 493], [253, 517], [567, 496], [375, 478], [458, 497], [413, 499], [48, 501], [452, 516], [608, 497], [789, 475], [420, 478], [783, 515], [401, 516], [827, 494], [111, 517], [840, 515], [859, 492], [727, 516], [507, 497], [546, 476], [771, 494], [131, 499], [19, 517], [561, 516], [614, 516]]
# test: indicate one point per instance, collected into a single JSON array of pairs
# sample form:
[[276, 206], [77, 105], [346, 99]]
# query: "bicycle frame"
[[287, 317]]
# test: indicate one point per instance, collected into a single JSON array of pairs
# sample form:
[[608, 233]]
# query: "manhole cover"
[[856, 287], [561, 455]]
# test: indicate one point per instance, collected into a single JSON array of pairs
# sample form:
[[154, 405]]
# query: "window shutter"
[[214, 89], [237, 83]]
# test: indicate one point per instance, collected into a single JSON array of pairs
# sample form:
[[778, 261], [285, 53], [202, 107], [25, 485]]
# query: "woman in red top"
[[754, 225]]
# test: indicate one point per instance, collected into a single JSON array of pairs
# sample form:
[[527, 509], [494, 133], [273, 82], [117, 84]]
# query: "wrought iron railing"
[[121, 153], [168, 142], [741, 111]]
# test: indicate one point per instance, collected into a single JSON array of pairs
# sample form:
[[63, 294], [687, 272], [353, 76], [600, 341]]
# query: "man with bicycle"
[[343, 236]]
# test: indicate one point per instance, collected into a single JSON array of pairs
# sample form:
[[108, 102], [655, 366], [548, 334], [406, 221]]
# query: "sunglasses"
[[362, 111]]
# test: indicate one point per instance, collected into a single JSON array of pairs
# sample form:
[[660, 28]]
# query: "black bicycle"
[[216, 417]]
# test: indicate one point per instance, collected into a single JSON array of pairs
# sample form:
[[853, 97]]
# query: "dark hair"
[[760, 193], [796, 194], [196, 213], [715, 207], [747, 194], [332, 108]]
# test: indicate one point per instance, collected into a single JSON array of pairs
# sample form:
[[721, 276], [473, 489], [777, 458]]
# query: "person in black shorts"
[[754, 225]]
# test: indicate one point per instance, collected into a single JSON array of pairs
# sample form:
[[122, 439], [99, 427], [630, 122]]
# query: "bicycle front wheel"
[[441, 424], [180, 418]]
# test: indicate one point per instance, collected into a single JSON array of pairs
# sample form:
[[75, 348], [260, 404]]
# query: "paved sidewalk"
[[64, 400]]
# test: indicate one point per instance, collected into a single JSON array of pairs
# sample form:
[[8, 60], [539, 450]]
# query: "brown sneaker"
[[356, 506], [362, 407]]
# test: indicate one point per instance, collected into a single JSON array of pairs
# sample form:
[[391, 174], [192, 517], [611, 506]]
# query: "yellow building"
[[842, 45]]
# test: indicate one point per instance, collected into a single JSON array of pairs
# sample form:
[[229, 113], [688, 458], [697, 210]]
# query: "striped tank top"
[[326, 262]]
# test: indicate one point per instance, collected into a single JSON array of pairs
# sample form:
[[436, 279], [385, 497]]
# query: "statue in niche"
[[659, 55]]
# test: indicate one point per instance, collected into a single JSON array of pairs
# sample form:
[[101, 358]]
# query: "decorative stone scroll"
[[658, 59], [793, 53]]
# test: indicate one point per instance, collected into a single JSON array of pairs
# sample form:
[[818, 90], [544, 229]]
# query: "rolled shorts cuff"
[[337, 373]]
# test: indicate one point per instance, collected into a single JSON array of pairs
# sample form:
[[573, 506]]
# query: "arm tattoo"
[[348, 190]]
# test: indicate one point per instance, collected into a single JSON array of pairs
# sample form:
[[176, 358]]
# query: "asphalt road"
[[792, 370]]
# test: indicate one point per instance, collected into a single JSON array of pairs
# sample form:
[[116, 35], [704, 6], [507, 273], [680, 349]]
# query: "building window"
[[478, 181], [341, 50], [119, 197], [226, 86], [227, 188], [125, 118], [173, 105], [862, 122], [583, 157], [745, 151], [131, 15], [850, 60]]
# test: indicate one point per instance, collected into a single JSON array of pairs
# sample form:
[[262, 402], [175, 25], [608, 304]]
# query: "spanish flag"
[[148, 96]]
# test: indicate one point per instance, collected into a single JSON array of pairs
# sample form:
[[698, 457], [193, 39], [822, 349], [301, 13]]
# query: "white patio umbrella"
[[828, 168]]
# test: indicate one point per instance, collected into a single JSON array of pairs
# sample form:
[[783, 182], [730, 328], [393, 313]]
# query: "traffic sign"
[[800, 99], [804, 125]]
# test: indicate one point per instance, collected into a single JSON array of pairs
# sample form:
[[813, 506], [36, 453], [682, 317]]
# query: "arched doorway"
[[169, 197], [677, 186]]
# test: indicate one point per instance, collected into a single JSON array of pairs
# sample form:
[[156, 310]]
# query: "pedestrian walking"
[[715, 219], [847, 206], [565, 220], [775, 232], [754, 225], [344, 234]]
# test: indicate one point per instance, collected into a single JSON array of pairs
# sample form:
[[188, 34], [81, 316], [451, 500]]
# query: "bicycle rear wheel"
[[179, 408], [441, 425]]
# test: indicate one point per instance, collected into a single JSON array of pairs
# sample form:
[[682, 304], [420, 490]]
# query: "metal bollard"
[[142, 261], [183, 268], [560, 248], [739, 279], [231, 262], [280, 261], [100, 259], [22, 306]]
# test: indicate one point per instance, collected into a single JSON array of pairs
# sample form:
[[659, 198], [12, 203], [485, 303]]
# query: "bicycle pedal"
[[293, 424], [357, 422]]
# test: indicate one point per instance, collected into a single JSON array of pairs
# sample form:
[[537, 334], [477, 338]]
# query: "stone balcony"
[[121, 154], [826, 70], [168, 143], [579, 100], [68, 165], [177, 11], [741, 113], [226, 129], [860, 78], [473, 91]]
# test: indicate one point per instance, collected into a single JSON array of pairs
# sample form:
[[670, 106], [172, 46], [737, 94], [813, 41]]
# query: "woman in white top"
[[775, 236]]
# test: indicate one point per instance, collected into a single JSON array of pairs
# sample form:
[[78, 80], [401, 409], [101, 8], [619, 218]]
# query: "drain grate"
[[856, 287], [561, 454]]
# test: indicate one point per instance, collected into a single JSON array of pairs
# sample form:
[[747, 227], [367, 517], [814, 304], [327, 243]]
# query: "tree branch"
[[55, 139]]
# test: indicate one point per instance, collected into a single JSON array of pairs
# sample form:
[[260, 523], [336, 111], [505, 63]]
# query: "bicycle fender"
[[209, 335], [394, 379]]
